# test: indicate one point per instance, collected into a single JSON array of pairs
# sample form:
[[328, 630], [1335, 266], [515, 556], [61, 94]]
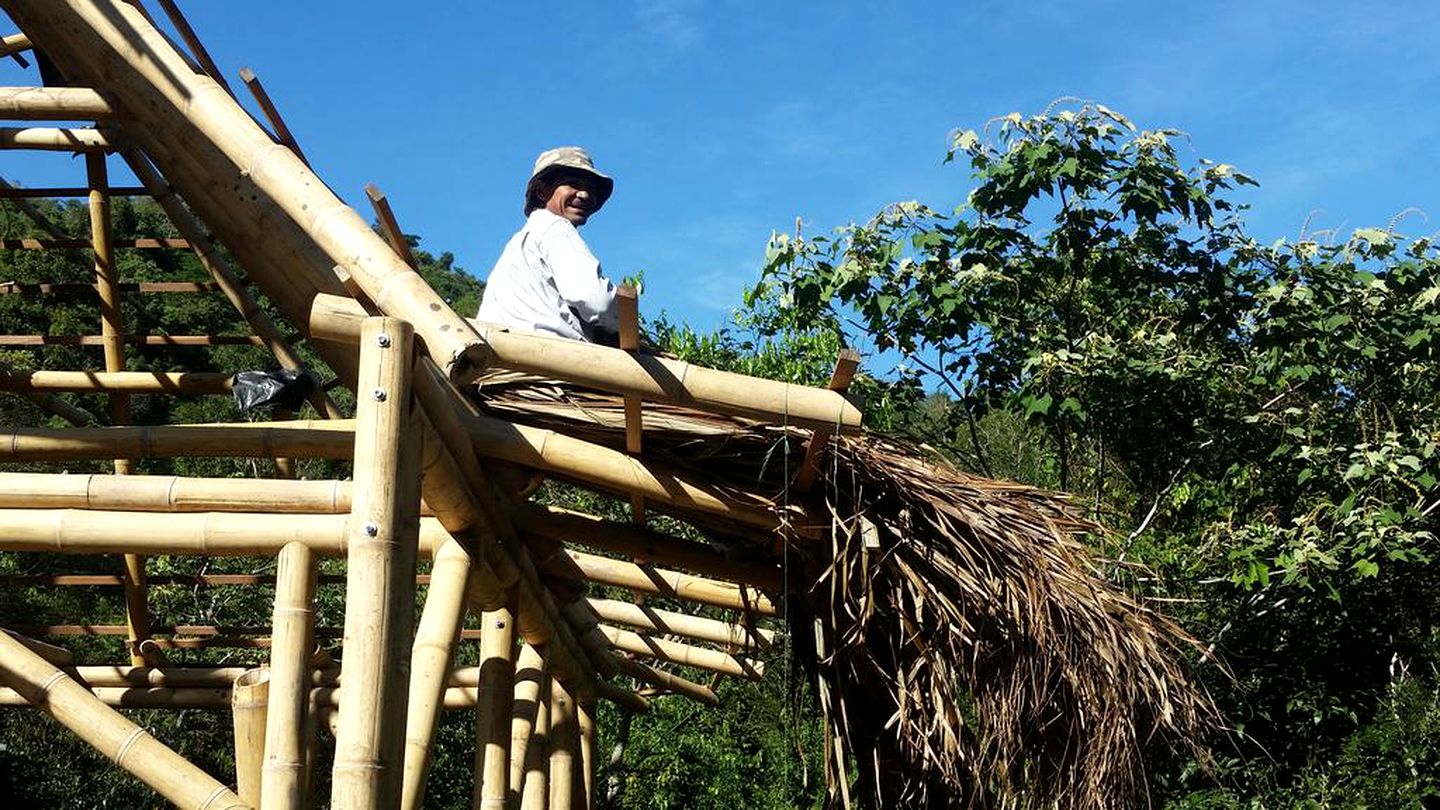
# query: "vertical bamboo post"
[[561, 747], [125, 743], [585, 715], [112, 330], [494, 707], [287, 726], [430, 661], [380, 583], [249, 697], [529, 728]]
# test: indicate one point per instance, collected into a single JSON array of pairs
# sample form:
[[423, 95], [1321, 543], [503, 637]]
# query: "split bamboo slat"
[[126, 744], [14, 44], [497, 696], [845, 368], [54, 139], [561, 747], [531, 676], [656, 379], [287, 738], [380, 580], [202, 56], [272, 114], [388, 225], [143, 243], [430, 658], [53, 104], [249, 703], [666, 622]]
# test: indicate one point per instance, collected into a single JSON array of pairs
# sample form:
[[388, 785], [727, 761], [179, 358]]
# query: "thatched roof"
[[967, 649]]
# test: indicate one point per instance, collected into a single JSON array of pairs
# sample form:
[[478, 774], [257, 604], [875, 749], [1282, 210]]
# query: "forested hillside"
[[1255, 423]]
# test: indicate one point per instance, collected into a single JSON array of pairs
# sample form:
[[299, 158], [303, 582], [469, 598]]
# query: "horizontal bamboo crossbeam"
[[205, 533], [45, 288], [651, 580], [135, 382], [642, 543], [217, 698], [651, 378], [164, 493], [53, 104], [666, 622], [298, 439], [54, 139], [130, 340], [66, 191]]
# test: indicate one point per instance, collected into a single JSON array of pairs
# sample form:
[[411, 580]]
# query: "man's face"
[[571, 195]]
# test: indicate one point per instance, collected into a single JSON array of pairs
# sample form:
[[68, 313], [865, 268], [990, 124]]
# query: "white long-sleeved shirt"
[[548, 281]]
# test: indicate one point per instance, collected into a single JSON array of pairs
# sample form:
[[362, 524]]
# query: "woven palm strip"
[[968, 651]]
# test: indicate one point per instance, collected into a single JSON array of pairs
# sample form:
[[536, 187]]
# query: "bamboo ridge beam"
[[125, 743], [657, 379], [53, 104]]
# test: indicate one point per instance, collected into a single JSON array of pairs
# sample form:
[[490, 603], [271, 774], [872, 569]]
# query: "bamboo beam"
[[671, 652], [531, 675], [845, 368], [70, 289], [130, 340], [561, 747], [287, 743], [656, 379], [388, 226], [494, 709], [434, 648], [249, 699], [369, 745], [218, 699], [145, 243], [299, 439], [585, 717], [166, 493], [53, 104], [54, 139], [642, 543], [125, 743], [648, 579], [661, 679], [188, 383], [16, 193], [656, 621], [14, 44]]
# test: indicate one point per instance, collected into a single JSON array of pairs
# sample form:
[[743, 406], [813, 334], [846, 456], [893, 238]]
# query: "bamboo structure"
[[572, 608]]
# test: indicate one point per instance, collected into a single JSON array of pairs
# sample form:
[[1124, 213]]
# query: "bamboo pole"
[[457, 698], [656, 379], [287, 739], [561, 747], [125, 743], [53, 104], [381, 567], [188, 383], [531, 675], [434, 648], [212, 677], [14, 44], [493, 710], [585, 717], [249, 702], [54, 139], [300, 439], [201, 533], [672, 652], [107, 279], [164, 493], [648, 579], [670, 623], [534, 785], [642, 543]]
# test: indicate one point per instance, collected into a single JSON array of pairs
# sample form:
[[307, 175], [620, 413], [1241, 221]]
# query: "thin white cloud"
[[672, 23]]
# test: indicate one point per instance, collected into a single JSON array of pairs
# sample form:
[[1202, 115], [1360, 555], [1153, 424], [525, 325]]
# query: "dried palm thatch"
[[967, 650]]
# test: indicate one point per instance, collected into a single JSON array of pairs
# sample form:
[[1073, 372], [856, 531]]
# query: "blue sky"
[[724, 120]]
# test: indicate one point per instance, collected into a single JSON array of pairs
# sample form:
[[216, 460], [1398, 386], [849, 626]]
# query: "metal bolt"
[[379, 394], [382, 340], [499, 624], [371, 530]]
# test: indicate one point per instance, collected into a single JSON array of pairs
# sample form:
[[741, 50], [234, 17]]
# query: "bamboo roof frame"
[[550, 647]]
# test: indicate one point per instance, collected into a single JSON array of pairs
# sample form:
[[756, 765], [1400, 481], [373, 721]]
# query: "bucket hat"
[[567, 157]]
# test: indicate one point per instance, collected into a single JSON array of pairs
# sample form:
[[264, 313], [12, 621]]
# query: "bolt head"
[[378, 394], [382, 340], [371, 530]]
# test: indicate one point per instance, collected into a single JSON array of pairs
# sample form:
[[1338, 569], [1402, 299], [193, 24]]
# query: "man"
[[546, 279]]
